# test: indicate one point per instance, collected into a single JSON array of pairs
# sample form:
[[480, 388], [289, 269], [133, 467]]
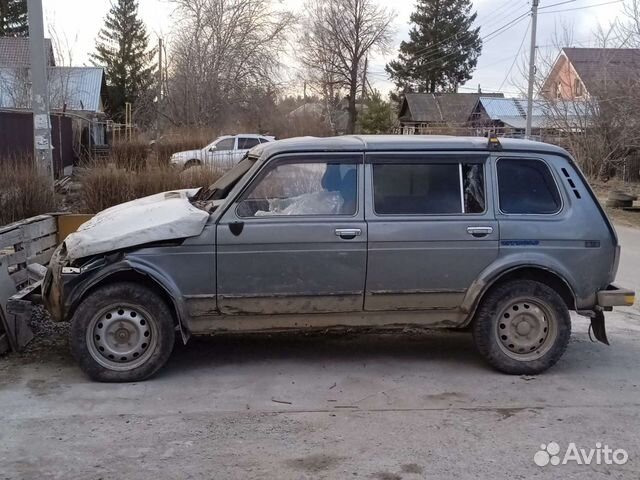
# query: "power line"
[[496, 12], [490, 36], [515, 59], [557, 4], [490, 90], [495, 21], [583, 8]]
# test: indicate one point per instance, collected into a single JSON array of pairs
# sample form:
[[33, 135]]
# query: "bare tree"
[[223, 51], [338, 36], [600, 124]]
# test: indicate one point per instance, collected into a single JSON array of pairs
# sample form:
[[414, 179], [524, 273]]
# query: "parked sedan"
[[224, 152]]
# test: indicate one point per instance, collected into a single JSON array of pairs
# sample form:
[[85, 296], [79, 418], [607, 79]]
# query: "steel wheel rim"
[[122, 337], [526, 329]]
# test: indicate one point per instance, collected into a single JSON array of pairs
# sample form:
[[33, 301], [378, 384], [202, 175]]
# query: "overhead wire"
[[515, 59], [583, 7], [490, 36], [461, 36]]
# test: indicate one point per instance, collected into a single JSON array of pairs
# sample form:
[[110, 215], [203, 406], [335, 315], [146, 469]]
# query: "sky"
[[76, 24]]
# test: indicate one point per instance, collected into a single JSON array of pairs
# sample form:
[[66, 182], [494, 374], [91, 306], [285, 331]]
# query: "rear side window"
[[247, 143], [526, 186], [428, 188]]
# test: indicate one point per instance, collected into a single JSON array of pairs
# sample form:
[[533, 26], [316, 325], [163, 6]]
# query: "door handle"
[[348, 233], [479, 232]]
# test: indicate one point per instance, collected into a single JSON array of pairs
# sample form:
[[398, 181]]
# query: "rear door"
[[223, 155], [295, 241], [432, 229], [244, 145]]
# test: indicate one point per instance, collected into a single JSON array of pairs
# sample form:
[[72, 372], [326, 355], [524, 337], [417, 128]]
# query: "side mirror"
[[212, 148]]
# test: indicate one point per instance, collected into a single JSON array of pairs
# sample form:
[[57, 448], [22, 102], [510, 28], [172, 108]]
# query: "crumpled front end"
[[52, 284]]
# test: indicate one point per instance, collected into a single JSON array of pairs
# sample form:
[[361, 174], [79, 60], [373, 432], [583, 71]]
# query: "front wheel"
[[122, 332], [522, 327]]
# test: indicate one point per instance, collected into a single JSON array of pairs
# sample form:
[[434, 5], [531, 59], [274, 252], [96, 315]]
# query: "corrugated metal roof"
[[80, 88], [513, 111], [16, 52]]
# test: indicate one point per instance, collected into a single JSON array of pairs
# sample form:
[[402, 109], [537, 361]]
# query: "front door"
[[295, 240], [432, 229]]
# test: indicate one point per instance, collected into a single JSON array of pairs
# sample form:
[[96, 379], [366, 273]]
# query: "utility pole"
[[159, 94], [532, 65], [40, 91]]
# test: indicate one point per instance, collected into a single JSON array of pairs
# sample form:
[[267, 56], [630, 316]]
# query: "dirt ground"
[[621, 217], [382, 407]]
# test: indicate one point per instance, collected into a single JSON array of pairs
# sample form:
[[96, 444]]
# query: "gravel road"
[[384, 407]]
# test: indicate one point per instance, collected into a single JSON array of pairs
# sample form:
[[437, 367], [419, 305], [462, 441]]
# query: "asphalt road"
[[383, 407]]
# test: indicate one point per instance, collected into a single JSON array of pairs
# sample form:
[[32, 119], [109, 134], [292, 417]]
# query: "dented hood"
[[164, 216]]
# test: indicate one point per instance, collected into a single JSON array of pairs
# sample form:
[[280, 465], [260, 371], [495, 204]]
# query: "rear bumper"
[[614, 296]]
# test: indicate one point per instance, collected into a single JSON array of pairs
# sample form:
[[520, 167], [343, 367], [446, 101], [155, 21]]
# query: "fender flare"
[[139, 266], [491, 276]]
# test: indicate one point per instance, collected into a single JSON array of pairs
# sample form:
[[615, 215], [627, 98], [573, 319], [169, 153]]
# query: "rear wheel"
[[122, 332], [522, 327], [192, 163]]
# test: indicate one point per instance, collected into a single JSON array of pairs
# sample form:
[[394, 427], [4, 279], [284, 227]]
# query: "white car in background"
[[224, 152]]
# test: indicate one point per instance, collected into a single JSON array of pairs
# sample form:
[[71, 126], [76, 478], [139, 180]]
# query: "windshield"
[[222, 186]]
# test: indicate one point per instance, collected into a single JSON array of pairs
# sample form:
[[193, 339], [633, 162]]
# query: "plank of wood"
[[40, 228], [19, 277], [25, 221], [42, 258], [7, 290], [16, 258], [10, 238], [34, 247]]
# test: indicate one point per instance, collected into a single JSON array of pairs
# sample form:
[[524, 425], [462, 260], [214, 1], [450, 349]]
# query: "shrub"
[[24, 192]]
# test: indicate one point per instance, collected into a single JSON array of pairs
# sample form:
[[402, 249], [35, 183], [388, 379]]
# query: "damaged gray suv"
[[381, 232]]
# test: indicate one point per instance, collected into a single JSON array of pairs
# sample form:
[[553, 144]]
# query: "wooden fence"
[[22, 243]]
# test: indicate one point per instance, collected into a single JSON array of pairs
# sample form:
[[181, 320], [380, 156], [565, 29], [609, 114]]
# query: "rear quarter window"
[[526, 186]]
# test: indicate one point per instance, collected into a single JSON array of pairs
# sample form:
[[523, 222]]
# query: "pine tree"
[[13, 18], [442, 50], [378, 117], [122, 48]]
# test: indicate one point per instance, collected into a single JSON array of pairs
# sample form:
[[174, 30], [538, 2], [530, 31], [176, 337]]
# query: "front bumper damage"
[[612, 296]]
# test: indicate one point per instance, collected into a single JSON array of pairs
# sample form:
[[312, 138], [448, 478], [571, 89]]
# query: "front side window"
[[526, 186], [225, 144], [321, 188], [429, 188]]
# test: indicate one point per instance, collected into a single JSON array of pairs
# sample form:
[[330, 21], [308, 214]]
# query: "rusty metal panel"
[[67, 224], [16, 138]]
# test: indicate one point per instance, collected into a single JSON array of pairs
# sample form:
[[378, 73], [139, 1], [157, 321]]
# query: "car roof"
[[250, 135], [394, 143]]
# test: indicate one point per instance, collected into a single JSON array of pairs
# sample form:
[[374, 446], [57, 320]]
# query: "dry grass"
[[24, 192], [138, 152], [105, 184]]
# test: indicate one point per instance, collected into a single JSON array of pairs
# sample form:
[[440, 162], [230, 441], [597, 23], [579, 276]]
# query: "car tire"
[[522, 327], [122, 332]]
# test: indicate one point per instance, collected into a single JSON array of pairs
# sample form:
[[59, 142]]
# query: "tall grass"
[[105, 184], [24, 192]]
